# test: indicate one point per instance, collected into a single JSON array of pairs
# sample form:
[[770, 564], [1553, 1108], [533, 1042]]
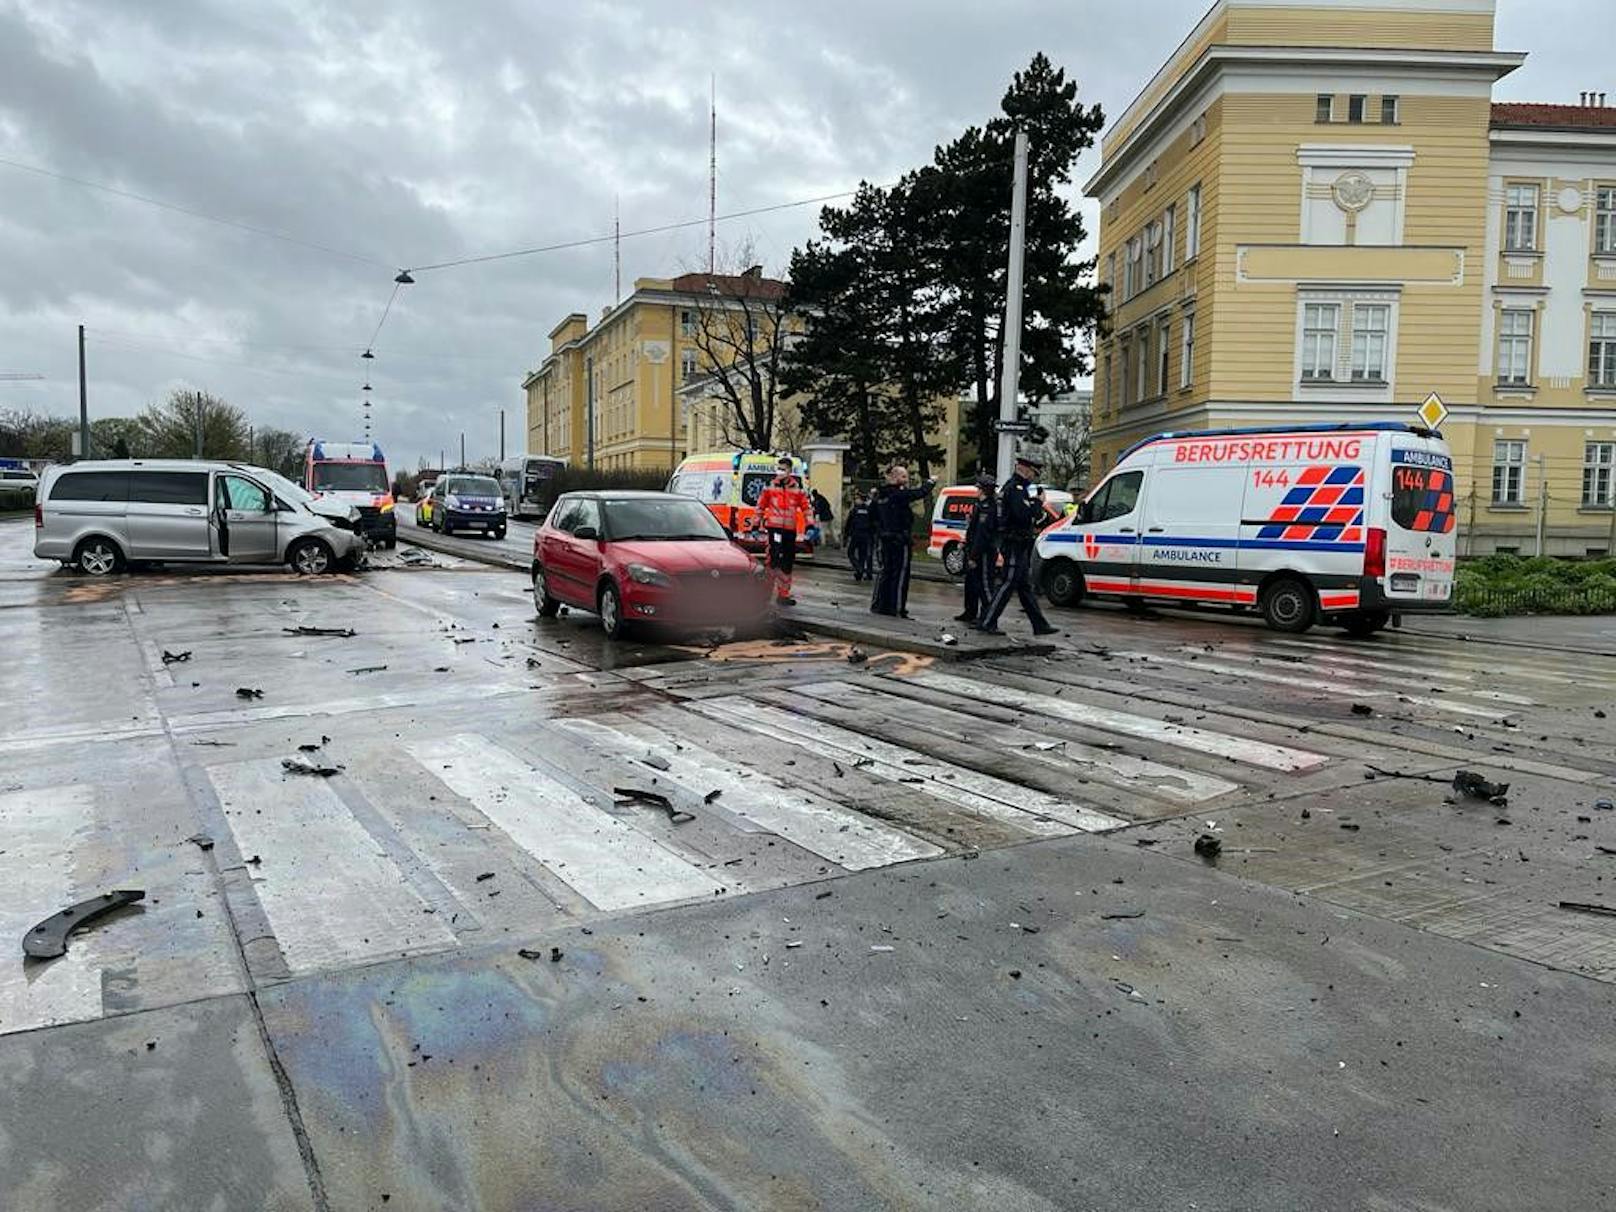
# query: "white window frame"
[[1509, 471], [1605, 220], [1324, 107], [1521, 200], [687, 322], [1133, 266], [1602, 350], [1142, 385], [1169, 234], [689, 365], [1124, 372], [1359, 102], [1514, 357], [1153, 254], [1370, 343], [1186, 350], [1164, 344], [1111, 279], [1598, 475], [1192, 222], [1391, 104], [1321, 323]]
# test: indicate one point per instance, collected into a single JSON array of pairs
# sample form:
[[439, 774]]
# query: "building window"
[[1104, 396], [1141, 385], [1602, 349], [1520, 218], [1509, 471], [1125, 369], [1320, 322], [1164, 347], [1153, 253], [1370, 323], [1186, 351], [1169, 233], [1388, 110], [1605, 219], [1111, 280], [1598, 460], [687, 364], [1515, 346], [1325, 110], [687, 323], [1192, 223], [1134, 270], [1355, 107]]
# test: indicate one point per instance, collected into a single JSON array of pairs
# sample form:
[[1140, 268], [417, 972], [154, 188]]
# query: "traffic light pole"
[[1010, 384]]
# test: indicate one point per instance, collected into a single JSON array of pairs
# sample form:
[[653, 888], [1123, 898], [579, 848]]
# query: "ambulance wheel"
[[954, 559], [1365, 623], [1288, 605], [1063, 583]]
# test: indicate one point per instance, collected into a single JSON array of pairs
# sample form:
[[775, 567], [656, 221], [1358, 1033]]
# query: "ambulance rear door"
[[1420, 520]]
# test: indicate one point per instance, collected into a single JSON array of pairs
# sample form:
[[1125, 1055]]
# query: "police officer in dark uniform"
[[894, 526], [860, 538], [981, 552], [1021, 514]]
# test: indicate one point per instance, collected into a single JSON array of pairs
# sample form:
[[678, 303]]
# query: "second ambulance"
[[1343, 524]]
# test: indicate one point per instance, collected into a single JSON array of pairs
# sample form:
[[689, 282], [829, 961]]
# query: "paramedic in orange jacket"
[[784, 508]]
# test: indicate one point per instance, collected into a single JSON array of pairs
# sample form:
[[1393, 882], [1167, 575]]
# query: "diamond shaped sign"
[[1433, 412]]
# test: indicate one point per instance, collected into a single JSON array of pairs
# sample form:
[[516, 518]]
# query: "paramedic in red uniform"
[[784, 508]]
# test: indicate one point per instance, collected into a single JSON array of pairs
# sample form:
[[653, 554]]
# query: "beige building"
[[1302, 221]]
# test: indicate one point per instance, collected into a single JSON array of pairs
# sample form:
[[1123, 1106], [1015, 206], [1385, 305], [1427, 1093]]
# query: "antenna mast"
[[712, 168]]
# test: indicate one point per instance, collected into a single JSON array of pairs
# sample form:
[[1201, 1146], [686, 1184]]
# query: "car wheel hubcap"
[[608, 610], [97, 560], [311, 559]]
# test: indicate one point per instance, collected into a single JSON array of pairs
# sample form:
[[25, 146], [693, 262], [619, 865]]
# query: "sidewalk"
[[1594, 635]]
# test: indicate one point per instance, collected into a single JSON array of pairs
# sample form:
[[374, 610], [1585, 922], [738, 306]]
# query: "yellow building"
[[1301, 218]]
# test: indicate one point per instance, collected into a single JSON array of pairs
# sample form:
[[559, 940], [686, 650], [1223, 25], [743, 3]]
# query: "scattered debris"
[[712, 795], [299, 766], [656, 762], [528, 953], [819, 896], [1469, 783], [368, 669], [249, 692], [216, 744], [1015, 974], [1146, 841], [201, 841], [1402, 774], [857, 656], [840, 773], [1606, 849], [1208, 847], [948, 640], [1598, 714], [49, 939], [310, 747], [1127, 913], [555, 955], [1588, 907], [1604, 805], [1362, 709], [341, 633], [881, 947], [487, 875], [174, 658], [1350, 827], [465, 639], [635, 797], [796, 942]]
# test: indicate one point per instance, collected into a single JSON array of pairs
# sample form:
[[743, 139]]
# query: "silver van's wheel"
[[98, 557], [310, 557]]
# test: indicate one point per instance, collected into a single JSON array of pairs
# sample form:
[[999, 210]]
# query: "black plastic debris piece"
[[317, 769], [201, 841], [1604, 805], [819, 896], [712, 795], [341, 633], [174, 658], [249, 692], [1350, 827], [1362, 709], [528, 953], [487, 875], [1588, 907], [310, 747], [555, 955], [369, 669], [655, 761], [1209, 846], [636, 797], [1469, 783], [49, 939], [1146, 841], [465, 639], [533, 662], [1126, 913], [856, 656], [1015, 974]]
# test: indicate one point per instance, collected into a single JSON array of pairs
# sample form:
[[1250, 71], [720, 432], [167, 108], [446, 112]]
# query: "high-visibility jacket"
[[784, 505]]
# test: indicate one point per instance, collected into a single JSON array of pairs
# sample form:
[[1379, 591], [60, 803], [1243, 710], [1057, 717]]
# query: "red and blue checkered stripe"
[[1325, 505]]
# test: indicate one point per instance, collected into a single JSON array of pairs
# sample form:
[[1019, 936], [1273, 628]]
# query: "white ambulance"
[[1346, 524]]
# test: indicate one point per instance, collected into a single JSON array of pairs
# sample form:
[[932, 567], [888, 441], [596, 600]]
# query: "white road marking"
[[1339, 689], [1255, 753], [205, 720], [978, 793], [818, 825], [45, 738], [1167, 782], [1467, 662], [331, 895], [605, 860], [38, 829], [1396, 674]]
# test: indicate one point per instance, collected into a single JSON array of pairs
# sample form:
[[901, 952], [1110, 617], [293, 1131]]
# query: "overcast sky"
[[417, 131]]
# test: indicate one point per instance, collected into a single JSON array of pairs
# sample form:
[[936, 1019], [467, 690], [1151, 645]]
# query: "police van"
[[1345, 524]]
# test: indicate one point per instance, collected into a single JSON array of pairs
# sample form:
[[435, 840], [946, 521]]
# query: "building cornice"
[[1489, 65]]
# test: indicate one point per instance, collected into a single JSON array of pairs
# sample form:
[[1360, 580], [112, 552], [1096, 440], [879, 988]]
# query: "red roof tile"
[[1562, 117]]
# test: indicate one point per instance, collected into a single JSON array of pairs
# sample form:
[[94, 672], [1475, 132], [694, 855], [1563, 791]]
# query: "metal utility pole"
[[84, 403], [462, 450], [502, 435], [1542, 504], [1010, 384], [712, 168], [199, 410]]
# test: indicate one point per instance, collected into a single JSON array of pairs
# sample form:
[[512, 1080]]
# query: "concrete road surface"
[[670, 926]]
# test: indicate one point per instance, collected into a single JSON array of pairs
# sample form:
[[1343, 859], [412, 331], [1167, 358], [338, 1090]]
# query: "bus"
[[523, 480]]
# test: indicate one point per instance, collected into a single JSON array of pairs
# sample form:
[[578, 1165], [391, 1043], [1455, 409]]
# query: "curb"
[[1459, 637], [448, 547], [879, 637]]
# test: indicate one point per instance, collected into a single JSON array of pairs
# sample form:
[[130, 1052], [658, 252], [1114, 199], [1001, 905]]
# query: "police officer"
[[894, 524], [784, 508], [981, 552], [1021, 514], [860, 537]]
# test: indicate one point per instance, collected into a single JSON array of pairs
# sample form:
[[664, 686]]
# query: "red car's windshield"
[[660, 518]]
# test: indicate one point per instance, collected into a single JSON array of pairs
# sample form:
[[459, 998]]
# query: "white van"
[[99, 515], [1347, 524]]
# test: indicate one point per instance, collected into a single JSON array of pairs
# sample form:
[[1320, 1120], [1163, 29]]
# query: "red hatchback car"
[[645, 557]]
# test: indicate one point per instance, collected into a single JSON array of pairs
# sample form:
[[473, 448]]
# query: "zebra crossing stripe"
[[816, 824], [1240, 749], [330, 894], [978, 793], [1384, 672], [604, 859]]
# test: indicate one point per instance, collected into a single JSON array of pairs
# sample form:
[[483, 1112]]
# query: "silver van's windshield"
[[285, 489]]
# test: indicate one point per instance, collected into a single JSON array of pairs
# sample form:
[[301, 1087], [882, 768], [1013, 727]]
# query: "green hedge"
[[1510, 584]]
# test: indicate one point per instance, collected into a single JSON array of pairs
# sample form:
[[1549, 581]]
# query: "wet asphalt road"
[[933, 935]]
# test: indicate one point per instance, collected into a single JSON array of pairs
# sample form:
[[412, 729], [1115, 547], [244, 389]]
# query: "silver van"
[[101, 514]]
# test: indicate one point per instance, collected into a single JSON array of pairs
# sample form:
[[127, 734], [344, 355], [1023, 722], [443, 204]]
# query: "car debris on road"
[[48, 939]]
